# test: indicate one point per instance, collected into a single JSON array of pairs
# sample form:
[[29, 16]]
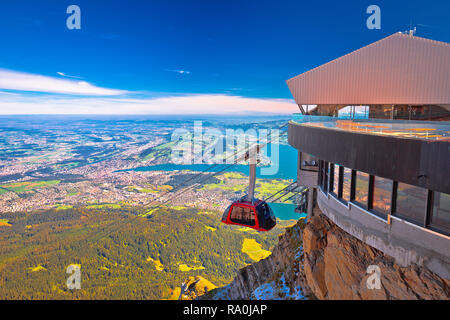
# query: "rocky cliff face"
[[279, 276], [194, 287], [336, 267], [320, 260]]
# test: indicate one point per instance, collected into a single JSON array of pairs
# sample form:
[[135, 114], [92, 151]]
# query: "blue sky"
[[135, 51]]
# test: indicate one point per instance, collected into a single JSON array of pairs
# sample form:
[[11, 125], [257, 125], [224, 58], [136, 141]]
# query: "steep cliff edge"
[[279, 276], [320, 260], [194, 287]]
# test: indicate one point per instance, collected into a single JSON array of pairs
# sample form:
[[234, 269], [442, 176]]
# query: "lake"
[[287, 170], [287, 166], [285, 211]]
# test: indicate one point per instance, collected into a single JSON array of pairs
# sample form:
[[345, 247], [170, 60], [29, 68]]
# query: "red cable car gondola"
[[248, 211], [254, 214]]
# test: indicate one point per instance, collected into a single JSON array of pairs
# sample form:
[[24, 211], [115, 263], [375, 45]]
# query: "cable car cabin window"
[[243, 215], [440, 218], [266, 210], [411, 203], [266, 218]]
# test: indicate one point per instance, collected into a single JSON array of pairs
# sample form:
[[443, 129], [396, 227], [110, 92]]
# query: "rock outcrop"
[[336, 267], [320, 260], [194, 287], [279, 276]]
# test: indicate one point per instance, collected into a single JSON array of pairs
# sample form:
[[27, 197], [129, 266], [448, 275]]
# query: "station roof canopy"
[[399, 69]]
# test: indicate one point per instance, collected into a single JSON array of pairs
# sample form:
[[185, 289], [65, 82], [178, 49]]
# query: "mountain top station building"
[[373, 138]]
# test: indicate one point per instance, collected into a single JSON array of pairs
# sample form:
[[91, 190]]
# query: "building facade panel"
[[420, 163]]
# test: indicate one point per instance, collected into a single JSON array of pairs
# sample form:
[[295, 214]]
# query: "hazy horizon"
[[147, 58]]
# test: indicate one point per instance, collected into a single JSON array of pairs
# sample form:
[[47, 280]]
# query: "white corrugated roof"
[[399, 69]]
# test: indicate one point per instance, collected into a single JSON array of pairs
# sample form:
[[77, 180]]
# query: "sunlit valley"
[[91, 192]]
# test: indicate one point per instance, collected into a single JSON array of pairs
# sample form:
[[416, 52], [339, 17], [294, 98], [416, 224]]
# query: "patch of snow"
[[299, 253], [272, 291], [296, 295], [222, 294], [265, 292]]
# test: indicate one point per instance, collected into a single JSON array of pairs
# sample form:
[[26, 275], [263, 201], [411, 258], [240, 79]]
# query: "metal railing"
[[429, 130]]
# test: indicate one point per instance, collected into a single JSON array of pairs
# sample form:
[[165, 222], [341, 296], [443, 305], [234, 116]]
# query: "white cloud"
[[187, 104], [20, 81], [36, 94], [62, 74], [179, 71]]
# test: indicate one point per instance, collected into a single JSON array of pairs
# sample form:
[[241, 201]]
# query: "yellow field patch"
[[174, 294], [234, 175], [266, 187], [63, 207], [158, 265], [38, 268], [224, 187], [197, 286], [105, 205], [184, 267], [4, 223], [254, 250], [178, 207], [205, 212], [165, 188], [204, 284], [28, 185], [149, 212], [248, 230]]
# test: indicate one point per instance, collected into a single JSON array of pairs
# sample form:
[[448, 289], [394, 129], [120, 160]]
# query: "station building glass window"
[[376, 194], [411, 203], [323, 179], [362, 188], [382, 193], [346, 184], [336, 180], [319, 175], [440, 218], [329, 175]]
